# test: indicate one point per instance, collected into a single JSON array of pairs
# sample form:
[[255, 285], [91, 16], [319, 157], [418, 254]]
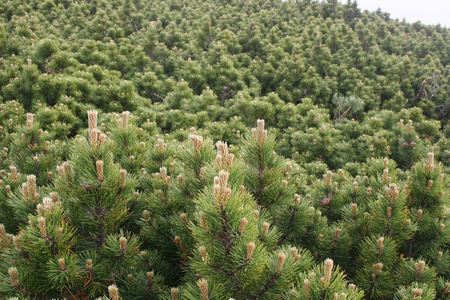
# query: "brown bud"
[[62, 264], [113, 292], [259, 134], [125, 118], [2, 232], [307, 285], [378, 268], [419, 214], [389, 212], [204, 254], [420, 266], [266, 227], [203, 285], [180, 179], [174, 292], [123, 177], [354, 209], [328, 269], [431, 161], [336, 234], [30, 119], [150, 276], [183, 218], [325, 201], [380, 243], [385, 175], [203, 222], [280, 262], [42, 226], [123, 242], [146, 214], [250, 248], [13, 276], [243, 224], [92, 119], [198, 142], [48, 204], [89, 265], [40, 209], [417, 293], [99, 167]]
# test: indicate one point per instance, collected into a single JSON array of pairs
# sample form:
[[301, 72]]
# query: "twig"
[[134, 25], [422, 89], [158, 96]]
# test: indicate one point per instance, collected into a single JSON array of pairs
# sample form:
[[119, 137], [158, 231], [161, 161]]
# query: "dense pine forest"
[[222, 149]]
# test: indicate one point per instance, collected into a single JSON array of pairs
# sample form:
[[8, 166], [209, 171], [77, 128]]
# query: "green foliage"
[[253, 231], [340, 192], [326, 281]]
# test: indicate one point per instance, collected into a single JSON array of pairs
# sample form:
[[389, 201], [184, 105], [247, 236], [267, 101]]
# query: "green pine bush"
[[222, 150]]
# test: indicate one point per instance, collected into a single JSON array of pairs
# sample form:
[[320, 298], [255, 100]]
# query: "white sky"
[[429, 12]]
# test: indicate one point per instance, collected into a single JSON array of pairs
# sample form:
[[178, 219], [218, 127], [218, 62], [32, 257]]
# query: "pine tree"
[[74, 236], [36, 151], [231, 252], [326, 282], [264, 172], [428, 198]]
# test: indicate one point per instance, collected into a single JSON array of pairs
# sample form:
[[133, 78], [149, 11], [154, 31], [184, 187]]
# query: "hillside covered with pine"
[[222, 149]]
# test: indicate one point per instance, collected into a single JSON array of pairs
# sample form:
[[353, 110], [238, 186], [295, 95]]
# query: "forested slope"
[[222, 150], [298, 65]]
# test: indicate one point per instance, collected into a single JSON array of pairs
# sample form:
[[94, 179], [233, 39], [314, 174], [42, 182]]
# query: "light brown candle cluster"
[[224, 160], [221, 192]]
